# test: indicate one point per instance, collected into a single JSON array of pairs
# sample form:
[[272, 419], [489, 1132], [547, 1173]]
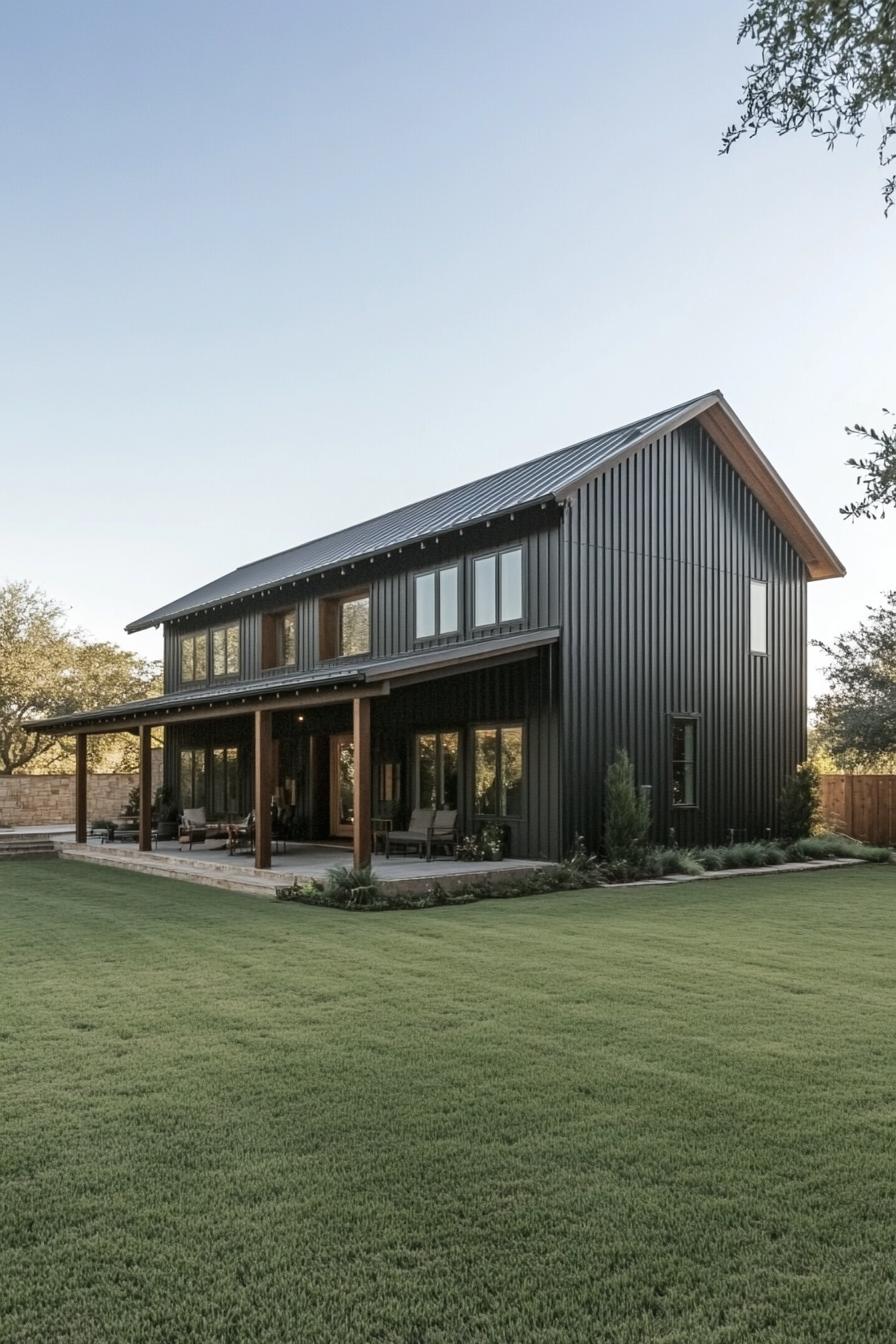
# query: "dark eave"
[[287, 690]]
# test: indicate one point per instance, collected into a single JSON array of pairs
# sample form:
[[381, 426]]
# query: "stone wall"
[[47, 800]]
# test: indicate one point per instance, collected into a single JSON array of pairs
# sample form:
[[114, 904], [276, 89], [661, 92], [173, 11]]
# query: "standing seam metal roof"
[[533, 482]]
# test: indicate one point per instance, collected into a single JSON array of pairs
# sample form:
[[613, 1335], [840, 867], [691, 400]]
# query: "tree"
[[856, 717], [48, 670], [877, 473], [829, 65], [799, 806], [826, 64], [627, 812]]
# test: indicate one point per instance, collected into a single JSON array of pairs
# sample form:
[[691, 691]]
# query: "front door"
[[342, 784]]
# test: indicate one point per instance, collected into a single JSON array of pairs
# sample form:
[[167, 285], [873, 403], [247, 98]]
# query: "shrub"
[[488, 844], [838, 847], [679, 861], [627, 812], [580, 868], [799, 806], [352, 887]]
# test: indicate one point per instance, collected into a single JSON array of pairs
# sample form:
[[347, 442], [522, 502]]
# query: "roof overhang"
[[746, 457], [332, 686]]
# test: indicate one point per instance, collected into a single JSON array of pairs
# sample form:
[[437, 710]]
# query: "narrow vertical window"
[[194, 657], [192, 777], [484, 590], [354, 625], [226, 651], [758, 616], [511, 585], [498, 771], [425, 605], [684, 762], [448, 600], [287, 646], [437, 769]]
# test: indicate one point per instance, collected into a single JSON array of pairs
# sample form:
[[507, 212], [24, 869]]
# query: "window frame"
[[231, 762], [436, 572], [226, 675], [497, 557], [191, 637], [694, 720], [758, 586], [195, 753], [499, 729]]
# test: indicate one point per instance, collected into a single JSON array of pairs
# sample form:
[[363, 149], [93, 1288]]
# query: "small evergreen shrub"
[[627, 813], [799, 806]]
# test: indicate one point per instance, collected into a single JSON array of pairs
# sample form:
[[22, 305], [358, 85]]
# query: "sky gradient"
[[270, 269]]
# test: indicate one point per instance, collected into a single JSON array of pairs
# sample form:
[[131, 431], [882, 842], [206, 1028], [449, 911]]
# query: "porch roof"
[[284, 689]]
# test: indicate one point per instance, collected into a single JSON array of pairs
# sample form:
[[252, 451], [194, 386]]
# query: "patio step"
[[26, 846], [204, 872]]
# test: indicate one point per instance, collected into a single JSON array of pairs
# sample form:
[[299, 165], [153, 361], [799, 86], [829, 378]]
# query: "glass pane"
[[218, 782], [683, 784], [186, 779], [200, 663], [484, 590], [512, 585], [426, 770], [199, 777], [354, 633], [511, 772], [448, 600], [232, 791], [425, 605], [346, 767], [219, 653], [485, 771], [232, 656], [448, 791], [186, 659], [286, 650], [758, 617]]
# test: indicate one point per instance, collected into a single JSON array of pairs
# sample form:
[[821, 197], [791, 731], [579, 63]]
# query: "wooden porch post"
[[361, 824], [263, 788], [145, 835], [81, 789]]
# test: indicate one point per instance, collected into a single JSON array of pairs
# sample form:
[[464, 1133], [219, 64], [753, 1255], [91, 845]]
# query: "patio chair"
[[192, 828], [241, 835], [443, 832], [417, 834]]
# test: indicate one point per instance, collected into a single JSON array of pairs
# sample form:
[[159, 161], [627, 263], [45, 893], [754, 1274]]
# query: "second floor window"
[[758, 616], [354, 625], [498, 587], [194, 657], [435, 602], [226, 651], [285, 642]]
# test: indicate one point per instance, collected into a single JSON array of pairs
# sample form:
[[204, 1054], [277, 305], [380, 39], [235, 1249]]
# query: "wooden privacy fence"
[[863, 806]]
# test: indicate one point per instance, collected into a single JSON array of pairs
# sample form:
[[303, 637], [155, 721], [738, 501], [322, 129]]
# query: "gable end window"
[[194, 657], [498, 587], [684, 762], [758, 616], [435, 603], [226, 651]]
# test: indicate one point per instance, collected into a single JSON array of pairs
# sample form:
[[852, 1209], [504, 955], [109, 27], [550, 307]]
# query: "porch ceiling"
[[374, 677]]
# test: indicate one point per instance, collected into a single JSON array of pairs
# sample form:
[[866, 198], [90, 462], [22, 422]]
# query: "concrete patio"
[[294, 862]]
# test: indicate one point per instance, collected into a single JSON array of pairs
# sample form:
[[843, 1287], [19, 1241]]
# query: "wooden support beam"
[[264, 787], [145, 831], [81, 789], [361, 824]]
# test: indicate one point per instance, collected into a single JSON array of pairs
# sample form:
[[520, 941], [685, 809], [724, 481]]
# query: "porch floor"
[[215, 867]]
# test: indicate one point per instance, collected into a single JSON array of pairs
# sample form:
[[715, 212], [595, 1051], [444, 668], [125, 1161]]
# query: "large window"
[[435, 602], [684, 762], [194, 657], [226, 651], [437, 759], [758, 616], [498, 587], [225, 782], [191, 777], [498, 771]]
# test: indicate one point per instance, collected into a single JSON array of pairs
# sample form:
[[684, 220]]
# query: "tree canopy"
[[829, 65], [47, 669], [856, 717]]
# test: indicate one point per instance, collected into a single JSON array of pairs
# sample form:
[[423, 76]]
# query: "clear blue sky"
[[270, 268]]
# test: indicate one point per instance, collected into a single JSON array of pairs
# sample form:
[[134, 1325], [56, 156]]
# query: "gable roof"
[[541, 480]]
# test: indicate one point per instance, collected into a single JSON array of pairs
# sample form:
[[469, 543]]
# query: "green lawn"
[[658, 1114]]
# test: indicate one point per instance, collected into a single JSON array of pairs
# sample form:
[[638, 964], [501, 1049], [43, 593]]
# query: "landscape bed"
[[662, 1114]]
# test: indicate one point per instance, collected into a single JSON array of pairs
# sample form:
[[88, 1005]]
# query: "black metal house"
[[490, 648]]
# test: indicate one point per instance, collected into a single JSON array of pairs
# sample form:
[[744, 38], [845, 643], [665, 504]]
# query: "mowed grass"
[[661, 1114]]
